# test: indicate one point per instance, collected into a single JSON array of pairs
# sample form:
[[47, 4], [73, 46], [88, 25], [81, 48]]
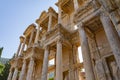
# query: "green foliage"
[[51, 78], [1, 49], [1, 68], [5, 72]]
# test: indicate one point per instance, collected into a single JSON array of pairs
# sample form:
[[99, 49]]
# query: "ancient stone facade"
[[55, 37]]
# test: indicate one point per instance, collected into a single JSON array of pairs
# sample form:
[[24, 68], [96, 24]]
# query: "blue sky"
[[15, 16]]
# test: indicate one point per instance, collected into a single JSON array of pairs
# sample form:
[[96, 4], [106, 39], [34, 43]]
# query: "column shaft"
[[23, 46], [76, 5], [59, 15], [31, 38], [45, 64], [15, 74], [59, 70], [112, 36], [50, 22], [10, 74], [86, 54], [37, 34], [23, 71], [18, 49], [30, 69]]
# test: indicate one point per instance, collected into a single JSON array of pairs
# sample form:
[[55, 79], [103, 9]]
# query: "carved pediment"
[[43, 14]]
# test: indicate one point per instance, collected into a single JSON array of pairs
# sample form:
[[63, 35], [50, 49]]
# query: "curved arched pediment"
[[43, 14], [29, 29]]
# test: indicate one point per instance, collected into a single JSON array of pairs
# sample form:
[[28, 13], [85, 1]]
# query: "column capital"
[[60, 40], [11, 69], [22, 39], [103, 13], [47, 47], [31, 59], [80, 24]]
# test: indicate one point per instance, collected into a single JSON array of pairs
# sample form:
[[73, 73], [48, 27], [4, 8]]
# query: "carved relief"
[[100, 70], [115, 70]]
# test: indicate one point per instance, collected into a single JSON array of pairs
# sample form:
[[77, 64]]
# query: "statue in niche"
[[100, 70], [115, 70]]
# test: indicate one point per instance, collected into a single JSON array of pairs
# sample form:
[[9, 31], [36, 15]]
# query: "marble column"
[[113, 11], [37, 35], [89, 73], [59, 14], [18, 49], [30, 69], [10, 74], [50, 22], [76, 5], [23, 46], [31, 38], [76, 60], [23, 71], [45, 64], [15, 75], [59, 66], [112, 36]]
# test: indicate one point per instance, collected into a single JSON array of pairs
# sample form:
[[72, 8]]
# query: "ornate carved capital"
[[47, 47], [60, 40], [80, 25], [22, 39]]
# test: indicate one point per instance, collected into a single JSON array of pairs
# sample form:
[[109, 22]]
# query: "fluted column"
[[10, 74], [15, 74], [30, 69], [37, 35], [50, 22], [45, 64], [76, 6], [23, 71], [86, 54], [31, 37], [112, 36], [59, 66]]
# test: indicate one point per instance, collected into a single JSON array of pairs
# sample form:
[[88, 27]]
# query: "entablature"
[[85, 10], [56, 33], [35, 52]]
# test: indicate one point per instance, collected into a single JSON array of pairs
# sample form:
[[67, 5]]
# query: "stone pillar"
[[45, 64], [37, 35], [112, 36], [31, 38], [10, 74], [18, 49], [76, 5], [59, 14], [59, 66], [23, 46], [86, 54], [50, 22], [30, 69], [113, 11], [23, 71], [76, 60], [115, 17], [15, 74]]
